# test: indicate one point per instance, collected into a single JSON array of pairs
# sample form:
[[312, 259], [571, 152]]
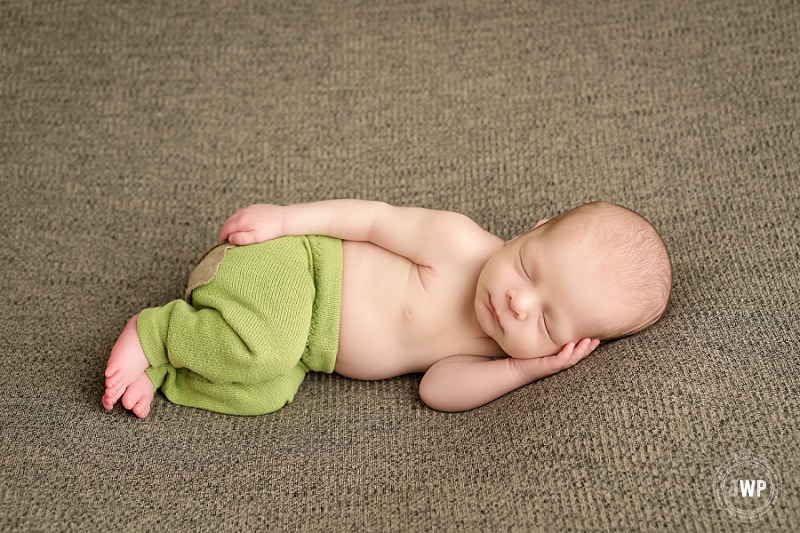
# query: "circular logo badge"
[[747, 487]]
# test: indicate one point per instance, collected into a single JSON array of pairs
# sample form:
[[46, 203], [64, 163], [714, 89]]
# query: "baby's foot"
[[138, 396], [126, 364]]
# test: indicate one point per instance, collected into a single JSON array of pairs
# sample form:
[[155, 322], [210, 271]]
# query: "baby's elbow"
[[435, 396], [427, 393], [431, 394]]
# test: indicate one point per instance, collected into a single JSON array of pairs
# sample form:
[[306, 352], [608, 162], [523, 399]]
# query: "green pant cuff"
[[157, 375], [152, 325]]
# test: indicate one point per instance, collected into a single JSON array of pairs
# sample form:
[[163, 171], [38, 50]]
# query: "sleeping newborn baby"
[[372, 291]]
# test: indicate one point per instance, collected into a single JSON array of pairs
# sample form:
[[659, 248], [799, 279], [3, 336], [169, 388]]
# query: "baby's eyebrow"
[[522, 263], [524, 258]]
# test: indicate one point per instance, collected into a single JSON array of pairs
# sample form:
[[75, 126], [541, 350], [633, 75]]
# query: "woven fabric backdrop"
[[130, 130]]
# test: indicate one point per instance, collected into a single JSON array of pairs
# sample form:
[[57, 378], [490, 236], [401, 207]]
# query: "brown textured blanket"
[[129, 131]]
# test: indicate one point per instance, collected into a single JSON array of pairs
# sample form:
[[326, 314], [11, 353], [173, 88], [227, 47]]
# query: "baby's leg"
[[125, 371], [184, 387]]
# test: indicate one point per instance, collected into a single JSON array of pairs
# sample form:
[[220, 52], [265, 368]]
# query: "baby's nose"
[[518, 302]]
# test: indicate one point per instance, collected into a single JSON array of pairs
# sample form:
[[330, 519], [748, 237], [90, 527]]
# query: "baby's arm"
[[464, 382], [422, 235]]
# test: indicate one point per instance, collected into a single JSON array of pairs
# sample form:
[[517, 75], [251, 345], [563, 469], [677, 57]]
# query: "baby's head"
[[599, 271]]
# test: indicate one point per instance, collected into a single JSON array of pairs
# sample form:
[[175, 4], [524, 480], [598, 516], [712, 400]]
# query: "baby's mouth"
[[494, 313]]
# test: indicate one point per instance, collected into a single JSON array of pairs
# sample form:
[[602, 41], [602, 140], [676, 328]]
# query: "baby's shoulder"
[[455, 237]]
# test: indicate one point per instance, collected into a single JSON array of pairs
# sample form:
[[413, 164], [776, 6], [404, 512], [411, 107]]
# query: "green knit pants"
[[260, 317]]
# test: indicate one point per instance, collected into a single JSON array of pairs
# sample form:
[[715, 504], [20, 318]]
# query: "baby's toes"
[[142, 407], [111, 396], [138, 396], [113, 384], [108, 401]]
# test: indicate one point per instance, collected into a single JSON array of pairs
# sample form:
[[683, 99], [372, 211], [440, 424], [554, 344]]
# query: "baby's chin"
[[525, 356], [529, 354]]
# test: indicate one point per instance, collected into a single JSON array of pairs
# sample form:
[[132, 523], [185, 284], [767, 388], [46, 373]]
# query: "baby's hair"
[[628, 245]]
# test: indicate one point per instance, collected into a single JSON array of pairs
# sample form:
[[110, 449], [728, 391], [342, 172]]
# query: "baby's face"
[[536, 294]]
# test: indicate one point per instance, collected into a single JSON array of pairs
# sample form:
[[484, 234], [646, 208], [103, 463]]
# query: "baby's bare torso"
[[398, 318]]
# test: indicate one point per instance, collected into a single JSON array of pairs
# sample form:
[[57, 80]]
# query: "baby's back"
[[398, 317]]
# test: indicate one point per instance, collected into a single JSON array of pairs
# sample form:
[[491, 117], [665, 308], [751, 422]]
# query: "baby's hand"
[[253, 224], [533, 369]]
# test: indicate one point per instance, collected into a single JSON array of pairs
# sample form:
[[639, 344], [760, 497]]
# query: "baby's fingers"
[[231, 226], [572, 353], [243, 238], [249, 225]]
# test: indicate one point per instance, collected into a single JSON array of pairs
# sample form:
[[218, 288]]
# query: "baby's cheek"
[[523, 349]]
